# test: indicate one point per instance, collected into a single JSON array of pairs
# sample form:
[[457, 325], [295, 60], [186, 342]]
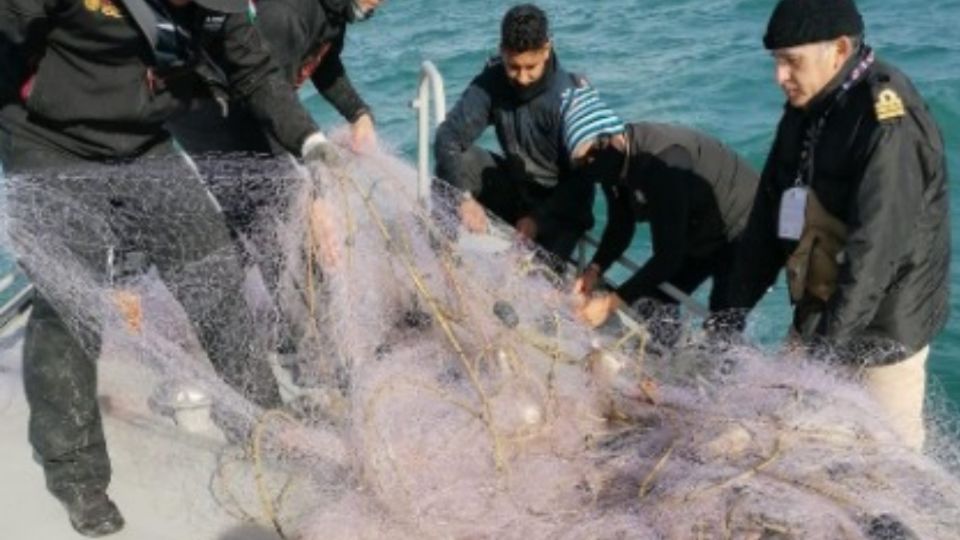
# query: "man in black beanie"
[[853, 201]]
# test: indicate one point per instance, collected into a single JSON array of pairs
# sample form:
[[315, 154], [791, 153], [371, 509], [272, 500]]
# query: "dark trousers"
[[696, 270], [661, 313], [204, 130], [511, 198], [65, 225], [252, 179]]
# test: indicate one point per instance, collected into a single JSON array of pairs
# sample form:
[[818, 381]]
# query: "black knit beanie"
[[798, 22]]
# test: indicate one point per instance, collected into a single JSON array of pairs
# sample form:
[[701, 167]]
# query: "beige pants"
[[900, 389]]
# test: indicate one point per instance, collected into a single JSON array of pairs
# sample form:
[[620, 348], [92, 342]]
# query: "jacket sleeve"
[[887, 201], [286, 35], [667, 197], [759, 257], [334, 85], [619, 231], [255, 77], [22, 31], [463, 126]]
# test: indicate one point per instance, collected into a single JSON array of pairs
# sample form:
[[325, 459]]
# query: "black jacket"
[[529, 128], [99, 91], [695, 192], [306, 39], [886, 179]]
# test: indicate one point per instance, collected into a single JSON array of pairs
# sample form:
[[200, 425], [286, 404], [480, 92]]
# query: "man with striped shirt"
[[695, 192]]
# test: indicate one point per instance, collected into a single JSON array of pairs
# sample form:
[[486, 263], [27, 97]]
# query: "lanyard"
[[805, 171]]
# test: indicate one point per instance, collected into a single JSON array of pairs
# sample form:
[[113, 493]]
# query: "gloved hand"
[[318, 149]]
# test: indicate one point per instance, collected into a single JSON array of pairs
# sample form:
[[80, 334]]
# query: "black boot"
[[93, 514]]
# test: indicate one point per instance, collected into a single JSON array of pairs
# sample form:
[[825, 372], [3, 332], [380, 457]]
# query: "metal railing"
[[431, 86]]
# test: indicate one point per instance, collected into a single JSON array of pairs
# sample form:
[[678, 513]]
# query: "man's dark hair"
[[524, 28]]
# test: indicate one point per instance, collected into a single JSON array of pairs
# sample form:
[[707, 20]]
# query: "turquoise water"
[[698, 63]]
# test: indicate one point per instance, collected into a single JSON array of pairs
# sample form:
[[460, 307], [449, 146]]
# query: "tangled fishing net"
[[439, 386]]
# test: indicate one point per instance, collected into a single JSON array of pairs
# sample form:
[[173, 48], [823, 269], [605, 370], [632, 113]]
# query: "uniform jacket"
[[879, 167]]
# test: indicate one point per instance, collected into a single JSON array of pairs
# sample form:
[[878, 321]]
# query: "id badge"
[[793, 211]]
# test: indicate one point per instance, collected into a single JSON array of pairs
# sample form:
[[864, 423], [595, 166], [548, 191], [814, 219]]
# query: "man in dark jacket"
[[694, 191], [531, 186], [306, 39], [853, 200], [90, 82]]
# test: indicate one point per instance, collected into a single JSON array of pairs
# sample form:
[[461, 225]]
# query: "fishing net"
[[437, 384]]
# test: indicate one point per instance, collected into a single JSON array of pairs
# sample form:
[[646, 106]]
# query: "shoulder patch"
[[580, 81], [888, 105], [107, 8]]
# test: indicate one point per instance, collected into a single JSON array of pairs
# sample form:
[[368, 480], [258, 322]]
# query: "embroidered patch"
[[105, 7], [888, 105]]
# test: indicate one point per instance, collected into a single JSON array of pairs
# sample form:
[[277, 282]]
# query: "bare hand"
[[527, 228], [599, 308], [587, 281], [363, 134], [474, 216], [130, 308], [324, 234]]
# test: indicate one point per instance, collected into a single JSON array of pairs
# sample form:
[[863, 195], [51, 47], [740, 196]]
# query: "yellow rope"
[[648, 480], [266, 503], [235, 509], [311, 253], [759, 467], [444, 324]]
